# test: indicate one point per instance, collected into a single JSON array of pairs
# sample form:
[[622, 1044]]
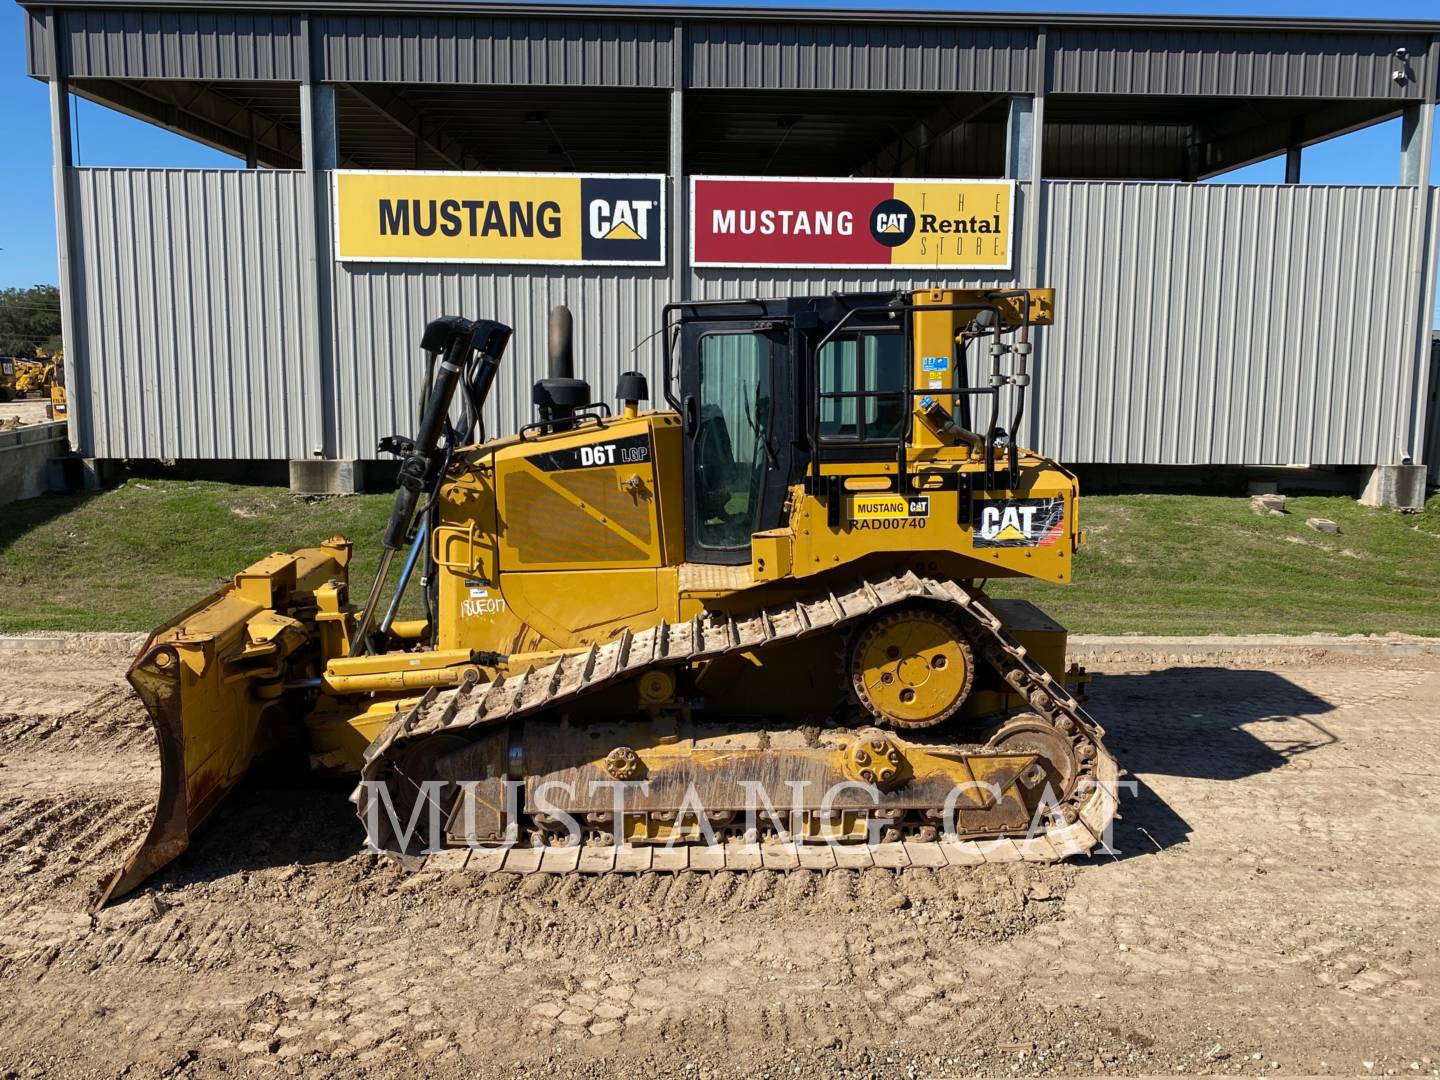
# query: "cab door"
[[737, 411]]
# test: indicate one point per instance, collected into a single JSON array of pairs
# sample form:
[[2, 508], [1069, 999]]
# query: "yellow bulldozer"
[[743, 630]]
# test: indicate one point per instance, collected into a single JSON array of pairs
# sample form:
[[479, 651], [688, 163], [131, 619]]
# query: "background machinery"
[[34, 376], [767, 587]]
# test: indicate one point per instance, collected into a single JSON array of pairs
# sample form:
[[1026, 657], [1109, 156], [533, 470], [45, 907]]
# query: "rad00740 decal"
[[1018, 522], [889, 511]]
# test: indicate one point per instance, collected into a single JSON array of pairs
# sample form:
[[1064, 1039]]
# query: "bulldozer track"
[[1075, 825]]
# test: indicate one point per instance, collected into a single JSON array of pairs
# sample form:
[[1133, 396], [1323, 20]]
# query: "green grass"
[[1190, 564], [129, 558]]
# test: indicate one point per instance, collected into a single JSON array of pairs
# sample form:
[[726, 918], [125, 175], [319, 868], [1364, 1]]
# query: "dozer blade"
[[213, 680]]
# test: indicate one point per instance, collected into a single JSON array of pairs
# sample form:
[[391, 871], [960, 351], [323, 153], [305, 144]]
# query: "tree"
[[29, 320]]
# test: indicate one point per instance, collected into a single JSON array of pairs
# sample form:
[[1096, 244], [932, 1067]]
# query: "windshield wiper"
[[764, 439]]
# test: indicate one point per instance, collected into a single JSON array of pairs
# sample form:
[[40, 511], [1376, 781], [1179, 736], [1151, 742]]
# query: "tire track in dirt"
[[273, 946]]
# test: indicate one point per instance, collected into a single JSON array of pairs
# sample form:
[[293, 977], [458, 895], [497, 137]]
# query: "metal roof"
[[671, 13], [447, 83]]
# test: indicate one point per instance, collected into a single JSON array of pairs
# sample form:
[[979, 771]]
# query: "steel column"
[[1292, 165], [76, 389], [319, 153], [679, 241], [1030, 267], [1019, 137], [1417, 148]]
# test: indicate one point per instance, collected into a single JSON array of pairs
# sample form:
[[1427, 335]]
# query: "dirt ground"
[[1272, 912], [22, 411]]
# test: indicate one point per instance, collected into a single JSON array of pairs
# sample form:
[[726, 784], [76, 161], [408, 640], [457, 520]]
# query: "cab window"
[[862, 387], [733, 442]]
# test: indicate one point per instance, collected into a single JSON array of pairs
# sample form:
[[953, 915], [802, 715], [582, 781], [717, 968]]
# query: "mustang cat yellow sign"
[[565, 218]]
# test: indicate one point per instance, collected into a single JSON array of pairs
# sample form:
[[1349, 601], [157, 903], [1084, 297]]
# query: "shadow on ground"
[[18, 518], [1207, 723], [275, 817], [1204, 723]]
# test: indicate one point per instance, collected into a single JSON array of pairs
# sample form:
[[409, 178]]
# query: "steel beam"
[[1246, 135], [393, 106], [209, 117], [933, 127]]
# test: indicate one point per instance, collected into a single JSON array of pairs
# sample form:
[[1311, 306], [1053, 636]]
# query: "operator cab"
[[752, 413]]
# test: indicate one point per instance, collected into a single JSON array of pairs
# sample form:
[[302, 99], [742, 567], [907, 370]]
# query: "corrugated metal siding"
[[1211, 324], [1245, 63], [537, 51], [182, 45], [378, 370], [383, 309], [37, 41], [1430, 422], [734, 284], [807, 56], [192, 318], [1427, 393], [616, 313], [1228, 324]]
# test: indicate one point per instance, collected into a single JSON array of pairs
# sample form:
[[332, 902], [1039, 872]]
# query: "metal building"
[[208, 317]]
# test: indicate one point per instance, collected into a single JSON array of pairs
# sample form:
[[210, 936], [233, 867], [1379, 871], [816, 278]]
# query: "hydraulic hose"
[[409, 568], [421, 470]]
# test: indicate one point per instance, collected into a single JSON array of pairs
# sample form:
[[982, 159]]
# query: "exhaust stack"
[[560, 394], [562, 343]]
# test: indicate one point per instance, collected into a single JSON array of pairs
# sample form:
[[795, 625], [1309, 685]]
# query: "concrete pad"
[[323, 476]]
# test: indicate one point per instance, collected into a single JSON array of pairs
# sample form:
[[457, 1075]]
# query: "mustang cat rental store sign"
[[747, 221]]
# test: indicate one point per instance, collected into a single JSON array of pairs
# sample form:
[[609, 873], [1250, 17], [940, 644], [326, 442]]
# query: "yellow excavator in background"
[[742, 630], [34, 376], [42, 375]]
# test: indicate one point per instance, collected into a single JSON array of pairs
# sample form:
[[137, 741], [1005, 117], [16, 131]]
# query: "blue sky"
[[27, 229]]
